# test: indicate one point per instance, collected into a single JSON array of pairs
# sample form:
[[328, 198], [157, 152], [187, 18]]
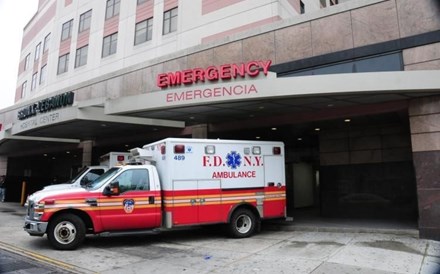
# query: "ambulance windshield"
[[103, 178]]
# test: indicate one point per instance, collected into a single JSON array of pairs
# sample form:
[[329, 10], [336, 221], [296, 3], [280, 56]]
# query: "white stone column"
[[200, 131], [87, 147]]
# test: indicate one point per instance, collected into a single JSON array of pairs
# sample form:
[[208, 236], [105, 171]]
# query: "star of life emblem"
[[233, 160]]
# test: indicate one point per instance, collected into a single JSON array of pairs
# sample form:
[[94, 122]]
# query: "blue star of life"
[[233, 159]]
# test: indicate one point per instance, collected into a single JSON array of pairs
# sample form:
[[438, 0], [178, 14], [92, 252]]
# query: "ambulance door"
[[274, 183], [136, 206], [209, 201], [184, 208]]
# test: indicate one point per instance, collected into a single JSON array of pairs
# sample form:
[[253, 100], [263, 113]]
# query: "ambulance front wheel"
[[243, 223], [66, 232]]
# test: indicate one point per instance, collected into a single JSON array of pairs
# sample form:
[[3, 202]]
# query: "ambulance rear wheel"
[[66, 232], [243, 223]]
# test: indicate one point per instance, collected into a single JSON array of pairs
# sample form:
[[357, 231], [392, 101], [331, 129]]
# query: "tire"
[[66, 232], [243, 223]]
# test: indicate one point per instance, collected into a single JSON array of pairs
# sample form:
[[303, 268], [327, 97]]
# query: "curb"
[[305, 228]]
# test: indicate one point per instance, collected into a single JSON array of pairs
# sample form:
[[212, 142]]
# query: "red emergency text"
[[213, 73]]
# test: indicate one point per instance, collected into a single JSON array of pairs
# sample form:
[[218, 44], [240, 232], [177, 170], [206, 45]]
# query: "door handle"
[[92, 201]]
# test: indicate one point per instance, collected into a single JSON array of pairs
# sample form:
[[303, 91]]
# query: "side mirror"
[[112, 189]]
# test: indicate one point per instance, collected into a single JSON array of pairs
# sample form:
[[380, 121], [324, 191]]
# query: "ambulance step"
[[129, 233]]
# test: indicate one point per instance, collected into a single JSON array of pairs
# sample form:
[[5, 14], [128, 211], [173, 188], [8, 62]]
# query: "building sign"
[[213, 73], [48, 104]]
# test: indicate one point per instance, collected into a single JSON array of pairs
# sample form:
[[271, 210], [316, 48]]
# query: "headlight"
[[38, 210]]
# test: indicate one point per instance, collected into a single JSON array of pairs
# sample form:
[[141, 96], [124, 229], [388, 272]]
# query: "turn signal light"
[[121, 158]]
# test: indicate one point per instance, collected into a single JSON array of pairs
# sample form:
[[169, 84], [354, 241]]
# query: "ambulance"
[[171, 183], [89, 173]]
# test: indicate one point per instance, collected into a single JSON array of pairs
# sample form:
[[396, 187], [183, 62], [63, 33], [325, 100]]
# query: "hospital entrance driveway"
[[208, 250]]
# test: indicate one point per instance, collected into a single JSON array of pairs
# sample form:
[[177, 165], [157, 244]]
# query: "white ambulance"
[[174, 182]]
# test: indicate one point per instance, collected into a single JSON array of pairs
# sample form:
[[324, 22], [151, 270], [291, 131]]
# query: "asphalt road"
[[208, 250], [14, 263]]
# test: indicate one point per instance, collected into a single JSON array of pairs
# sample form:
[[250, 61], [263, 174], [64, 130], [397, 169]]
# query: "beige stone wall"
[[422, 58], [348, 29], [425, 124]]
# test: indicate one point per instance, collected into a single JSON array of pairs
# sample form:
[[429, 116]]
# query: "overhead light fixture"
[[347, 120], [317, 129], [258, 137], [330, 105], [103, 125], [274, 128], [300, 139], [192, 118], [45, 155], [261, 107], [67, 152]]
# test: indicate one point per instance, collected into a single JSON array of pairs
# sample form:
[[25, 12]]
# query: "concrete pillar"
[[200, 131], [424, 115], [3, 165], [87, 147]]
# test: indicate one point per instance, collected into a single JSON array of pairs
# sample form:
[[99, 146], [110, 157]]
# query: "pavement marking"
[[42, 258]]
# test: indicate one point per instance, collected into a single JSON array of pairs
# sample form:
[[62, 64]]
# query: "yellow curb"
[[40, 258]]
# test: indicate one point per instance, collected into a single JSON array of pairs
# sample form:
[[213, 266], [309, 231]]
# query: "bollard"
[[23, 192]]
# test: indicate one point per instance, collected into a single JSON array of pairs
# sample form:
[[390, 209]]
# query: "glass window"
[[112, 8], [141, 1], [63, 63], [46, 43], [43, 74], [23, 89], [66, 32], [170, 21], [109, 45], [26, 61], [84, 21], [302, 6], [34, 81], [37, 51], [81, 56], [143, 31], [133, 179]]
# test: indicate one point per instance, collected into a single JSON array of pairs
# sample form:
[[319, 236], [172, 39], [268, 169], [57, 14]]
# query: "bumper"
[[35, 228]]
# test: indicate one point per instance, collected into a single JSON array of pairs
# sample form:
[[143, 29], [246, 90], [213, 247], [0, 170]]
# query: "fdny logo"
[[233, 159], [128, 205]]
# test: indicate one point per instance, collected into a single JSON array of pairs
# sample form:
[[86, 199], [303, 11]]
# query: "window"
[[34, 81], [143, 31], [134, 179], [81, 56], [109, 45], [43, 74], [333, 2], [91, 176], [112, 8], [141, 1], [37, 51], [26, 61], [23, 89], [67, 30], [46, 43], [303, 8], [170, 21], [84, 21], [63, 63]]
